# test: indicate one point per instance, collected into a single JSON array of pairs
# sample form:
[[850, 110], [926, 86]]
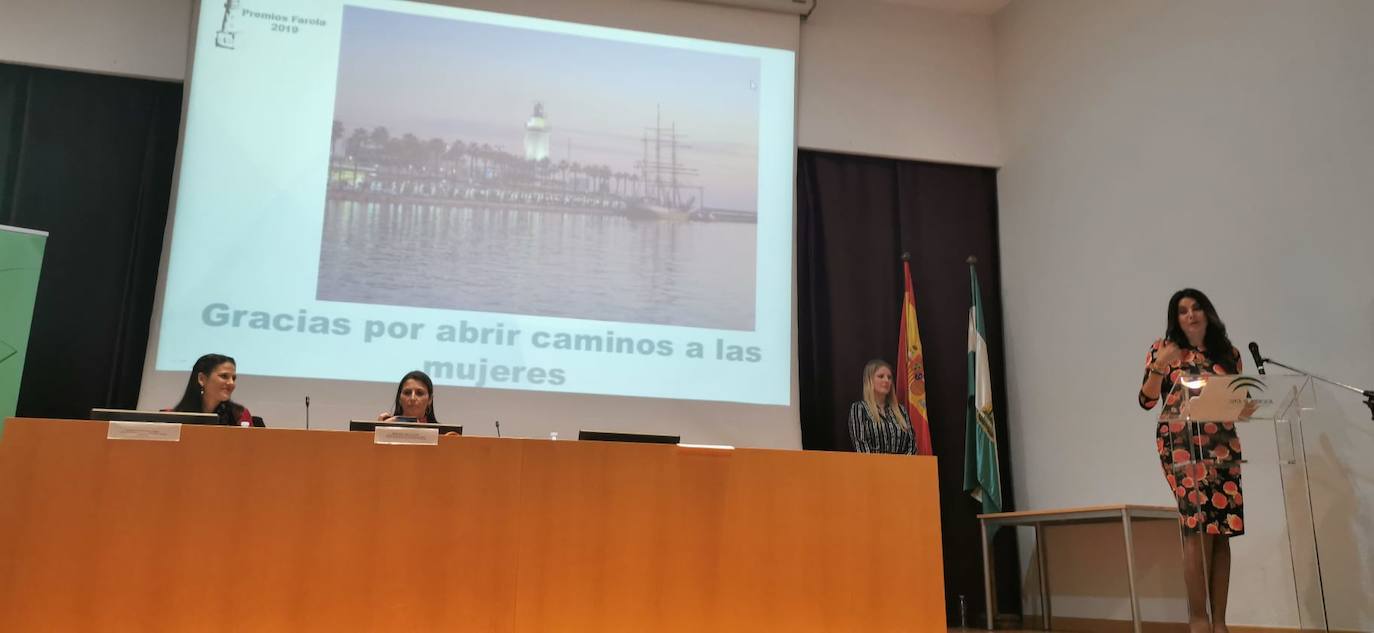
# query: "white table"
[[1124, 514]]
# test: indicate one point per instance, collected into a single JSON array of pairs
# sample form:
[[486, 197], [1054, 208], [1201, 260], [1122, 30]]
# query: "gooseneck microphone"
[[307, 410], [1259, 360], [1368, 394], [498, 428]]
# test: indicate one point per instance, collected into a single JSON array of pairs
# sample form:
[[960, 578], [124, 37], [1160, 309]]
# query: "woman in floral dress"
[[1208, 490]]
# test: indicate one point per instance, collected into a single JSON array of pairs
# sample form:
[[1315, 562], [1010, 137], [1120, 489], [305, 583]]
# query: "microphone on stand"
[[1368, 394], [307, 413], [498, 428], [1259, 360]]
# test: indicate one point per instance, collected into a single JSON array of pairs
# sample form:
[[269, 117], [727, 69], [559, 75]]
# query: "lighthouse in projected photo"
[[537, 135]]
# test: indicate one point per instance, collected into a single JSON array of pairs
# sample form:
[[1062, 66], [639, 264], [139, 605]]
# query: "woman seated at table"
[[878, 423], [414, 400], [209, 388]]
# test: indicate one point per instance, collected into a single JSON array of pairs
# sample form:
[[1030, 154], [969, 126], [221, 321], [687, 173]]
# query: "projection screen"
[[566, 225]]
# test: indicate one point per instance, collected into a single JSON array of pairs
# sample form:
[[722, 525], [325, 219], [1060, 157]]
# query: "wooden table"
[[289, 530], [1125, 514]]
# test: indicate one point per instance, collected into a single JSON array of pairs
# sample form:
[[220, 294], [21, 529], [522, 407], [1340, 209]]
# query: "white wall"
[[890, 80], [875, 78], [145, 38], [1226, 145]]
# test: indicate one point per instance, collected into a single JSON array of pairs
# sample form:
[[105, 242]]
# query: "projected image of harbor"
[[483, 167]]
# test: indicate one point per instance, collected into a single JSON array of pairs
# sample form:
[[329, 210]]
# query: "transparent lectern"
[[1201, 410]]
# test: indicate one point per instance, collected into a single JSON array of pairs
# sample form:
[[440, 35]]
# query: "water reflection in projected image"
[[579, 265]]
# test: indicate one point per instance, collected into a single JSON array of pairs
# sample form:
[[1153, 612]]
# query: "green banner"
[[21, 258]]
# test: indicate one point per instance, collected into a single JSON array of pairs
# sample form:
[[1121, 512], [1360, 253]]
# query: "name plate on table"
[[149, 431], [405, 435]]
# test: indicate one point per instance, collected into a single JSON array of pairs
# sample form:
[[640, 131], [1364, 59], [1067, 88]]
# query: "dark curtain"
[[89, 159], [856, 215]]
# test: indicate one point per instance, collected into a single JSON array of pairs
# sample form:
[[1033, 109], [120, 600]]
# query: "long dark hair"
[[429, 386], [191, 402], [1219, 347]]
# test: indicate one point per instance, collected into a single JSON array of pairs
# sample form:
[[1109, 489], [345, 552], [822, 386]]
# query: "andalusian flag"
[[911, 369], [21, 259], [982, 473]]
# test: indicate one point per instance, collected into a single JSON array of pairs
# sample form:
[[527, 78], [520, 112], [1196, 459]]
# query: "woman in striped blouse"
[[878, 424]]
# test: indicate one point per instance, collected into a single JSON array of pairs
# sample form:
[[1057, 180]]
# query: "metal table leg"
[[1044, 575], [989, 590], [1130, 569]]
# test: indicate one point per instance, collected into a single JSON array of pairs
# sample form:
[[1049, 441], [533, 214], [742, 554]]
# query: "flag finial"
[[971, 260], [906, 257]]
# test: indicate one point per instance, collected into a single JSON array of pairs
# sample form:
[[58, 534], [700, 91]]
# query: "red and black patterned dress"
[[1209, 498]]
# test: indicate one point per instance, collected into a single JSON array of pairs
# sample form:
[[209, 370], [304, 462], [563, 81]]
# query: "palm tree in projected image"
[[356, 144], [469, 158], [337, 134], [434, 150], [456, 152], [483, 161], [408, 150], [545, 168], [488, 161], [497, 164], [378, 139], [606, 176]]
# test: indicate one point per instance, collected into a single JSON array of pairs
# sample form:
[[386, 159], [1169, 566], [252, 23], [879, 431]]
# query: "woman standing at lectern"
[[414, 399], [1209, 499], [878, 423], [208, 390]]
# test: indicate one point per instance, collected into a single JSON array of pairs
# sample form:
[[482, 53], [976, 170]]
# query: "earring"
[[202, 391]]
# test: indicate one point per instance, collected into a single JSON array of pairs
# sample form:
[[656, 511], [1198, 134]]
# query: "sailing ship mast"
[[660, 179]]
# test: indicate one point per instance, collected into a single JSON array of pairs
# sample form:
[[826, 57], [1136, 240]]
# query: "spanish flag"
[[911, 369]]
